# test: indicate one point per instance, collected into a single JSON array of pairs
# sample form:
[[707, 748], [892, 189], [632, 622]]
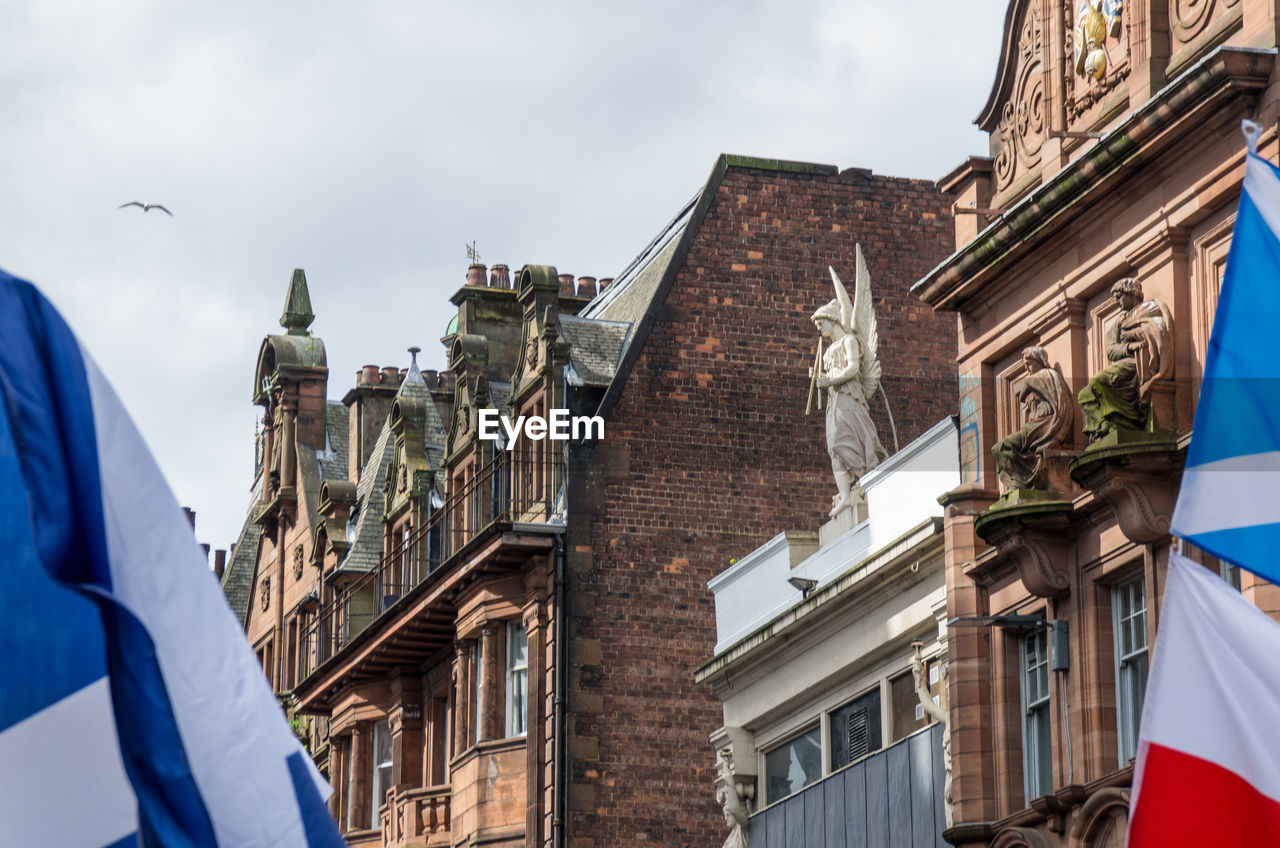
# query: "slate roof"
[[333, 459], [595, 348], [628, 298], [237, 579], [366, 548]]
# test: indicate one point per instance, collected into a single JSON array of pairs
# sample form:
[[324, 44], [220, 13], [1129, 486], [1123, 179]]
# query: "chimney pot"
[[566, 284], [432, 378], [191, 516], [368, 374], [500, 277], [586, 287], [219, 563], [475, 274], [204, 546], [605, 282], [390, 376]]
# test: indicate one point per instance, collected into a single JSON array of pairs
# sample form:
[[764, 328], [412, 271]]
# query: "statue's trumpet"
[[814, 370]]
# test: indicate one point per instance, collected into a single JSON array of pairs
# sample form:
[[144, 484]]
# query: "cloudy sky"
[[370, 142]]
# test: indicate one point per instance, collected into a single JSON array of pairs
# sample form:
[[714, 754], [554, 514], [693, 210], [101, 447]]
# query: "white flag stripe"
[[1264, 190], [1215, 678], [1230, 493], [226, 713], [91, 803]]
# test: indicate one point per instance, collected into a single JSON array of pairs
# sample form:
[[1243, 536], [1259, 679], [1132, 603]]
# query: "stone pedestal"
[[844, 521]]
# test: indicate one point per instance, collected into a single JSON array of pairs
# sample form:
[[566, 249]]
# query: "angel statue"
[[850, 371]]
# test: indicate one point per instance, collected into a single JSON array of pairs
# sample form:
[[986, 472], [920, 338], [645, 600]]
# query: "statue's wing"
[[864, 325], [846, 306]]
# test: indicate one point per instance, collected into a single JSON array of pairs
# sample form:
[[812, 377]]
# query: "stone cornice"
[[1226, 73]]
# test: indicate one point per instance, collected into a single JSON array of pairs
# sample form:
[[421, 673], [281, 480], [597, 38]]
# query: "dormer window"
[[351, 524]]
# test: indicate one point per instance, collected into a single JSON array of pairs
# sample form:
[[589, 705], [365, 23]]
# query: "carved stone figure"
[[850, 371], [1140, 350], [940, 715], [732, 800], [1045, 401], [1095, 20]]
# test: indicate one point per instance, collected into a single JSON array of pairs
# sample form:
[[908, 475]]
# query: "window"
[[793, 765], [1129, 602], [381, 768], [1037, 762], [855, 730], [352, 771], [517, 677]]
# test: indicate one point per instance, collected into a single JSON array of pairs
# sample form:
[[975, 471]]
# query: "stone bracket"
[[1035, 538], [1139, 483]]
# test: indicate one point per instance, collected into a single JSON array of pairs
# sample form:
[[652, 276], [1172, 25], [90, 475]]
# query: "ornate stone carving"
[[734, 797], [1046, 410], [1189, 18], [1022, 121], [264, 593], [1137, 478], [1139, 348], [1096, 35], [1103, 820], [297, 563], [849, 370], [1035, 537]]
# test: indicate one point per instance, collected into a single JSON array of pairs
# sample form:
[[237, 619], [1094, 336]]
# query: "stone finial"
[[297, 315]]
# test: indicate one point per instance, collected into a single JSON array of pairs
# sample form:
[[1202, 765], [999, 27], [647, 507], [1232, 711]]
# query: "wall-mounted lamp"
[[1009, 621], [804, 584]]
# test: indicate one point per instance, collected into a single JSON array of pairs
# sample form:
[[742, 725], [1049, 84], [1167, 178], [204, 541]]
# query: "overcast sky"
[[370, 142]]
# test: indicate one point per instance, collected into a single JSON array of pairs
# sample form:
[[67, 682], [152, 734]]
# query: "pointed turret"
[[297, 315]]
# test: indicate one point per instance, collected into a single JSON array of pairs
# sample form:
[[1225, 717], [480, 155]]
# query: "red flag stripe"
[[1188, 801]]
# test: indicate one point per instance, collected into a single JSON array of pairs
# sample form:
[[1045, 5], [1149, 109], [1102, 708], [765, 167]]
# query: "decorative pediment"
[[1016, 114]]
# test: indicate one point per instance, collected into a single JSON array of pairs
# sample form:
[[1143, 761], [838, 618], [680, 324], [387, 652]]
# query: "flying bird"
[[147, 207]]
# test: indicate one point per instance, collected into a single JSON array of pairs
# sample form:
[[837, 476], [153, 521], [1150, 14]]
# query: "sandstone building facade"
[[1115, 153], [498, 646]]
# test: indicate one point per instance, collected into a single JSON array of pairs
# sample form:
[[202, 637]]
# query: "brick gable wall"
[[708, 454]]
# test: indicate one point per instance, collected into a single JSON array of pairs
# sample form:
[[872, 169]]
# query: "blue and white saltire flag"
[[1229, 503], [132, 710]]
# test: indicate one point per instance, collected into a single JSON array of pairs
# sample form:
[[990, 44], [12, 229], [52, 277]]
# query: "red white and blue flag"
[[132, 710], [1208, 767]]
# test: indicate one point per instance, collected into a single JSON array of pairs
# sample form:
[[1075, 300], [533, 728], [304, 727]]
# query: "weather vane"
[[472, 254]]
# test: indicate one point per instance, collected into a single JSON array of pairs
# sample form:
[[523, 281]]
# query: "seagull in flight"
[[146, 207]]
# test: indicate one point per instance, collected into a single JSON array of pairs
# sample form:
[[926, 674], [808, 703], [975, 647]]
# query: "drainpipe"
[[560, 772]]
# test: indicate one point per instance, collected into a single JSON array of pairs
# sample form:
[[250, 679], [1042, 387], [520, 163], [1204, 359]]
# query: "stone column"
[[358, 786], [461, 695], [408, 744], [490, 714]]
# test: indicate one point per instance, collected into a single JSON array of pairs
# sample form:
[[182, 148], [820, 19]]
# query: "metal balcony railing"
[[521, 488]]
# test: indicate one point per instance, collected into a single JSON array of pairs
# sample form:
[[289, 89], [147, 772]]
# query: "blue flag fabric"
[[132, 710], [1229, 503]]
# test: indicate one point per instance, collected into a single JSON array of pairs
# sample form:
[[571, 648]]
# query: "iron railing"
[[520, 488]]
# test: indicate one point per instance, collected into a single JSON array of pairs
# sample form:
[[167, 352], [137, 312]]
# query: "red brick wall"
[[708, 454]]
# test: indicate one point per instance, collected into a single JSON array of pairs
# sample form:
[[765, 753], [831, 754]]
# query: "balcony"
[[509, 491], [416, 817], [890, 798]]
